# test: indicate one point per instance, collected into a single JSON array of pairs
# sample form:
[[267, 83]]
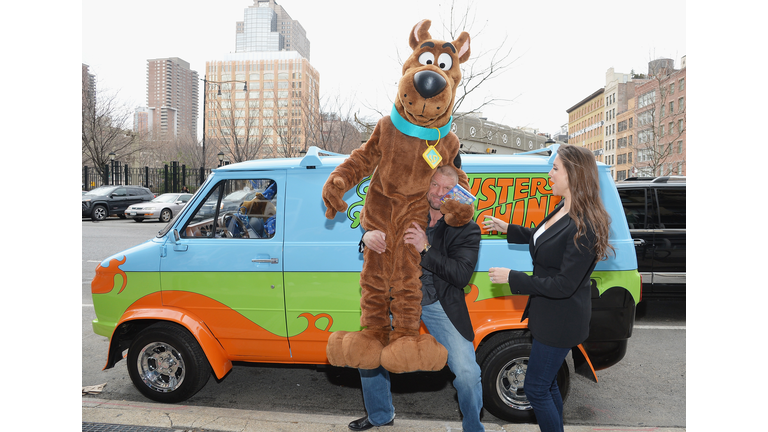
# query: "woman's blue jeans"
[[541, 385], [461, 360]]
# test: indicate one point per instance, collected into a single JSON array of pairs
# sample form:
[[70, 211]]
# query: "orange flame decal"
[[104, 281]]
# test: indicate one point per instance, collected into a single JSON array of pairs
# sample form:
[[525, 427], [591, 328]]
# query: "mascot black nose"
[[428, 83]]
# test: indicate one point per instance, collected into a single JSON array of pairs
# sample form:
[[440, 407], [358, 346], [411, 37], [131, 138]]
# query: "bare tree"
[[482, 66], [236, 127], [105, 130], [479, 70], [661, 122], [333, 126], [159, 150]]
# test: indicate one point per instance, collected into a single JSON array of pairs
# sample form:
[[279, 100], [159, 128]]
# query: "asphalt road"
[[647, 388]]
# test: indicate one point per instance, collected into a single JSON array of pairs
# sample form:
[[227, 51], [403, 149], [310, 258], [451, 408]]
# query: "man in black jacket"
[[449, 256]]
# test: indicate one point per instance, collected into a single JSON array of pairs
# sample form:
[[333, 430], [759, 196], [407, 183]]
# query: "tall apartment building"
[[142, 120], [88, 87], [268, 27], [586, 124], [619, 91], [262, 100], [172, 98], [625, 143], [660, 138], [260, 104]]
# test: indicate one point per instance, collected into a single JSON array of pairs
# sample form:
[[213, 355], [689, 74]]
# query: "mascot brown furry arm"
[[402, 154]]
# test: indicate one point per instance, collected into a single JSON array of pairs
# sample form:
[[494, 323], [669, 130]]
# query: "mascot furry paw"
[[402, 154]]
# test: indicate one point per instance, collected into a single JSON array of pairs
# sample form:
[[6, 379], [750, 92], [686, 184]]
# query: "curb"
[[185, 418]]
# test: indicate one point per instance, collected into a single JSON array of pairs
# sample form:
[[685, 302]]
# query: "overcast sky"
[[563, 48]]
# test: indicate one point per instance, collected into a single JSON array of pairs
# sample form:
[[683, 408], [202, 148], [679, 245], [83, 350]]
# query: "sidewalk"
[[100, 413]]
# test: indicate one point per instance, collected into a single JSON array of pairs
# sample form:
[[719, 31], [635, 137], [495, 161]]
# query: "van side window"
[[635, 207], [671, 208], [236, 209]]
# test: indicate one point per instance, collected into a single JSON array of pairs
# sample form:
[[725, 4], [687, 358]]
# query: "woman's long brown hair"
[[586, 206]]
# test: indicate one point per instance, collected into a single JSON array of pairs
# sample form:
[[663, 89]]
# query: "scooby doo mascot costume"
[[402, 154]]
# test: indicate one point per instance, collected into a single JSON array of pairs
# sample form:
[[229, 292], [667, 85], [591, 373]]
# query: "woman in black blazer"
[[565, 248]]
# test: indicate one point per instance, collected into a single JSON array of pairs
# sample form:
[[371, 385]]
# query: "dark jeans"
[[541, 385]]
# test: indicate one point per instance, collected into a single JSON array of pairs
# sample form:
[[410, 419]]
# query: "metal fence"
[[169, 178]]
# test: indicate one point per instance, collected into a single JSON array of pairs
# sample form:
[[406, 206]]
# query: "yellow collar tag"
[[431, 155]]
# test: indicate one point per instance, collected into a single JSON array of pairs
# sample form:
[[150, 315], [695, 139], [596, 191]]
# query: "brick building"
[[586, 123]]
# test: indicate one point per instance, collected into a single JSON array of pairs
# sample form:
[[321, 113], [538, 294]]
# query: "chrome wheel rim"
[[510, 384], [165, 216], [161, 367], [100, 213]]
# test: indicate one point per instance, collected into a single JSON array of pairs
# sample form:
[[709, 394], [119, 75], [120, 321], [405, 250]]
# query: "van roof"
[[317, 157]]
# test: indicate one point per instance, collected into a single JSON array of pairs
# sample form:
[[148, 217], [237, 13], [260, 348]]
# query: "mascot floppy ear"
[[420, 33]]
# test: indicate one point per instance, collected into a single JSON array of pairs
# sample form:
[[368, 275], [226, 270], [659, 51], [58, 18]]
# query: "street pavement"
[[101, 415]]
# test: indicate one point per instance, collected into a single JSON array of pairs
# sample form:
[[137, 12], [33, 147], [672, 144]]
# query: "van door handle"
[[639, 242], [267, 260]]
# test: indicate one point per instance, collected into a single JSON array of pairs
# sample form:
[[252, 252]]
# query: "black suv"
[[105, 201], [655, 210]]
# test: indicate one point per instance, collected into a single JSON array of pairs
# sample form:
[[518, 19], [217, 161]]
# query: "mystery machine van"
[[252, 271]]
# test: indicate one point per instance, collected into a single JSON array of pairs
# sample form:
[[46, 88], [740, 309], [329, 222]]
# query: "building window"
[[680, 147], [680, 125], [681, 84], [671, 107], [681, 104]]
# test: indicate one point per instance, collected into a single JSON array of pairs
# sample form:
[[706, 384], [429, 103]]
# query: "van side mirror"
[[176, 235]]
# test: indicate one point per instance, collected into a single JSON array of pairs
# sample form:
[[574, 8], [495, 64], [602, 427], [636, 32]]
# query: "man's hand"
[[376, 241], [498, 275], [416, 236]]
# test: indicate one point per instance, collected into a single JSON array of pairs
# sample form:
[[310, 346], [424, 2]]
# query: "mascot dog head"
[[430, 76]]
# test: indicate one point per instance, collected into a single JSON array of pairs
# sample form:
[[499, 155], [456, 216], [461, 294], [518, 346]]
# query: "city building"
[[88, 87], [660, 121], [586, 124], [479, 135], [142, 120], [625, 140], [562, 134], [172, 98], [267, 26], [618, 90], [260, 104], [263, 100]]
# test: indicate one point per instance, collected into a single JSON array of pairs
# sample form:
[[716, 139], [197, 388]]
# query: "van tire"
[[507, 359], [166, 364]]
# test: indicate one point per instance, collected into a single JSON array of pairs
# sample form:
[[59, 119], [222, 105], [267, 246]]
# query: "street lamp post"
[[221, 158], [112, 165], [205, 104]]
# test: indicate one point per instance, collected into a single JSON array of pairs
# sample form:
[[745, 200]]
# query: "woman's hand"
[[494, 224], [498, 275]]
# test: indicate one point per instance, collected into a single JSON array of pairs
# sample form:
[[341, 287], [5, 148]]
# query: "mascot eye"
[[427, 58], [445, 61]]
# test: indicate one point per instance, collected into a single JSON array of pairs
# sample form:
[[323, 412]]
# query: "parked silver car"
[[164, 207]]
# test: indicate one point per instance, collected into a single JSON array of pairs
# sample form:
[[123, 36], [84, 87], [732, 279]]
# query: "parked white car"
[[164, 207]]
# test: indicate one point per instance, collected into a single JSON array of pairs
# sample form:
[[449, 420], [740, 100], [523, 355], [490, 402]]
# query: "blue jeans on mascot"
[[461, 360]]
